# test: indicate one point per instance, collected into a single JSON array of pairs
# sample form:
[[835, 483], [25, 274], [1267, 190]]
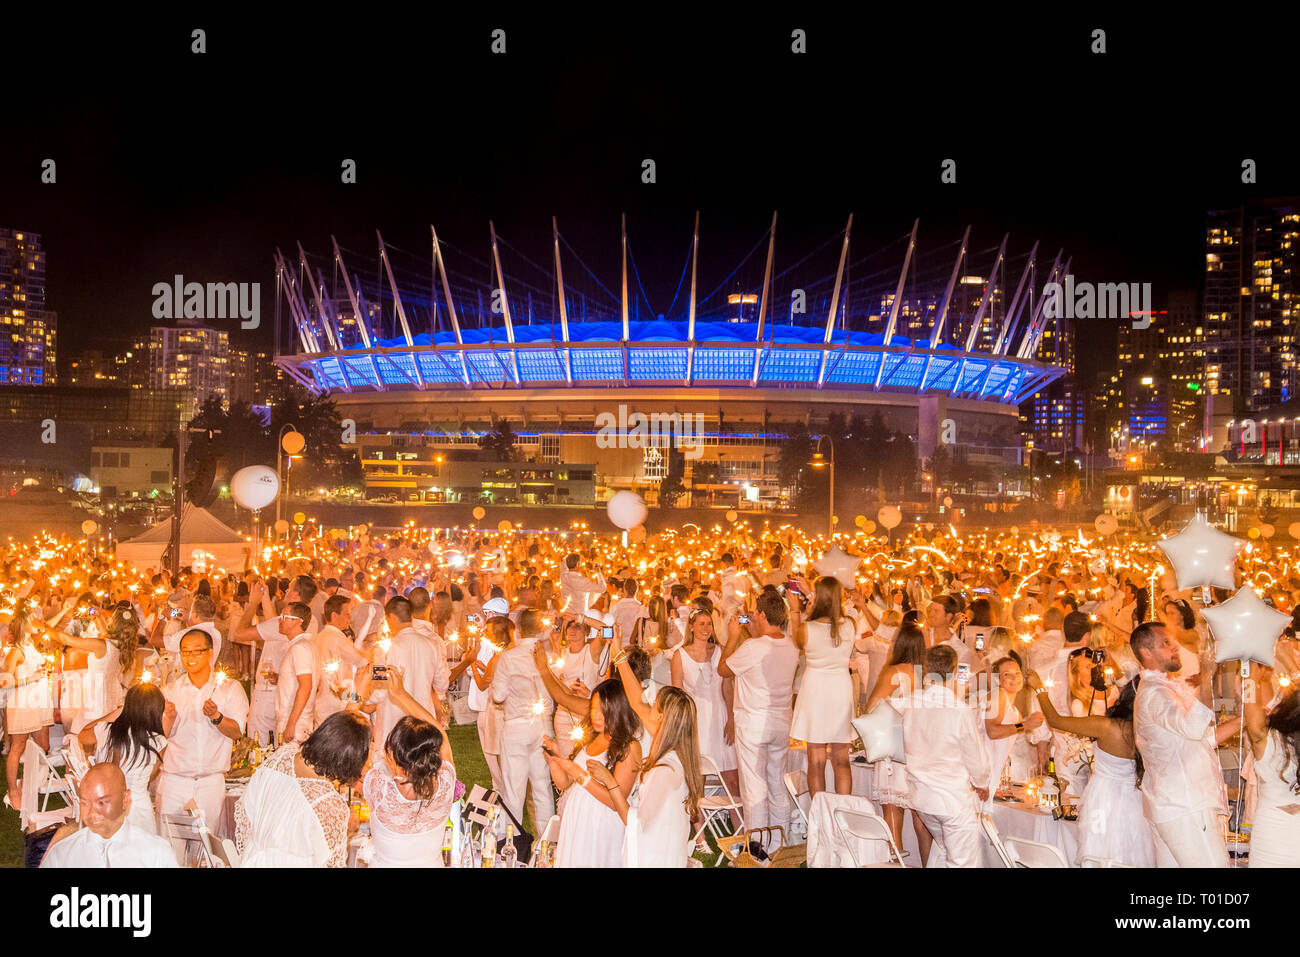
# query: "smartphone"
[[963, 672], [607, 632], [743, 619], [379, 672], [979, 642], [474, 618]]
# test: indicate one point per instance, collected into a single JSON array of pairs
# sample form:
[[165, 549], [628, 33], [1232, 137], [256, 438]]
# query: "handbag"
[[523, 841]]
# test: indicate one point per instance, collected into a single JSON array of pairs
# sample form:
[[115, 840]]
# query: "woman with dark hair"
[[1275, 744], [823, 711], [695, 670], [900, 677], [591, 831], [411, 791], [134, 741], [1112, 824], [292, 814]]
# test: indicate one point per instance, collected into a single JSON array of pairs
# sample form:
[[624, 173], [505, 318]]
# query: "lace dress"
[[1112, 824], [287, 821], [889, 782], [406, 833]]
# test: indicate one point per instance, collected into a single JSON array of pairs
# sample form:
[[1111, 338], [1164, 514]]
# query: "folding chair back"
[[1026, 853], [796, 784], [222, 849], [478, 802], [550, 834], [187, 839], [991, 832], [75, 761], [716, 807], [865, 826]]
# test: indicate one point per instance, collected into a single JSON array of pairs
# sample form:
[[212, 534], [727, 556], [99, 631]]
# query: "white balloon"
[[1202, 555], [890, 516], [1246, 628], [1106, 524], [881, 732], [838, 564], [626, 509], [254, 487]]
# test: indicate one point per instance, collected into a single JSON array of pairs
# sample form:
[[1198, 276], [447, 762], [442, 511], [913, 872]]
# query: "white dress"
[[1111, 821], [1000, 749], [823, 712], [101, 688], [591, 834], [31, 706], [287, 821], [403, 832], [658, 830], [700, 680], [1275, 836], [138, 774], [577, 666], [889, 780]]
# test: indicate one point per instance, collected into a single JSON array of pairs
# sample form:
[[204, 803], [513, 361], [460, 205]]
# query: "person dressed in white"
[[591, 830], [108, 838], [666, 796], [440, 673], [694, 669], [416, 657], [823, 712], [627, 611], [339, 657], [519, 688], [578, 667], [1182, 787], [482, 654], [1002, 720], [299, 677], [763, 666], [135, 742], [1275, 742], [266, 635], [1112, 825], [411, 790], [946, 762], [577, 592], [203, 718], [30, 697], [292, 814]]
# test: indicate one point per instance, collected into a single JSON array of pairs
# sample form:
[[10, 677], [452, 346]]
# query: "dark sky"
[[174, 163]]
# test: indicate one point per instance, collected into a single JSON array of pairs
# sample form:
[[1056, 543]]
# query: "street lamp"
[[820, 461]]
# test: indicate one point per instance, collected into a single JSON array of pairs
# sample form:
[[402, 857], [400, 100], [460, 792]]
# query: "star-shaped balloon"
[[838, 564], [881, 732], [1202, 555], [1246, 628]]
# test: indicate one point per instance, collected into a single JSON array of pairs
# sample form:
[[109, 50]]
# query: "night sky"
[[174, 163]]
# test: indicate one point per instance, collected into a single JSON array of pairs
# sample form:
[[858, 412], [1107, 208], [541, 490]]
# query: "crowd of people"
[[609, 680]]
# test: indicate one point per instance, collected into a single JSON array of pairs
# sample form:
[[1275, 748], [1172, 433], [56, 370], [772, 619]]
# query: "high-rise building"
[[1251, 291], [1161, 374], [192, 358], [254, 376], [27, 331]]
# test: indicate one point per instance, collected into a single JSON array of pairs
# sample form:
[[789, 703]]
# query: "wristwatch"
[[1020, 726], [219, 718], [353, 697]]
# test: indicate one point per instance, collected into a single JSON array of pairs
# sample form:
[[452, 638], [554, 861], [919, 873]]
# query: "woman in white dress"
[[1112, 825], [665, 800], [577, 666], [591, 831], [889, 781], [30, 710], [1002, 720], [823, 711], [135, 742], [1275, 742], [652, 634], [695, 671], [109, 646], [292, 814]]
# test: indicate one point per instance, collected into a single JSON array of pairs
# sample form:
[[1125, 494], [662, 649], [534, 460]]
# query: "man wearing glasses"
[[266, 636], [202, 719], [299, 676]]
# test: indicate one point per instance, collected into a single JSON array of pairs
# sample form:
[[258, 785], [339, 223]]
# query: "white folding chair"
[[188, 840], [36, 814], [221, 849], [796, 785], [717, 807], [1026, 853], [866, 826], [991, 832], [549, 834], [1101, 862], [75, 761], [49, 781]]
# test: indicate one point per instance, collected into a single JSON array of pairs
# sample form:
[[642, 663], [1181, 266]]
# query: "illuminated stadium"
[[444, 356]]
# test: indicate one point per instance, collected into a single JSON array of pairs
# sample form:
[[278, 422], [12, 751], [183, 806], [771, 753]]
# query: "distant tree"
[[796, 450], [671, 488], [500, 443]]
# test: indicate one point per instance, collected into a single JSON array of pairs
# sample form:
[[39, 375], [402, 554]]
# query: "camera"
[[379, 672], [743, 619], [475, 619], [607, 631]]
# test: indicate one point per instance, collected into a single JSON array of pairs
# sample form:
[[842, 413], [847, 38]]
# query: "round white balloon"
[[1246, 628], [254, 487], [626, 509], [1202, 555], [1106, 524], [890, 516]]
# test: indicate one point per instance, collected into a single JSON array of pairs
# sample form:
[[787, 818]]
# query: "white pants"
[[1193, 840], [761, 754], [958, 839], [491, 751], [208, 792], [261, 714], [522, 764]]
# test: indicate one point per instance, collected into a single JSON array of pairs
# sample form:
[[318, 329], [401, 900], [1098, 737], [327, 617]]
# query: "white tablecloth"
[[1033, 824]]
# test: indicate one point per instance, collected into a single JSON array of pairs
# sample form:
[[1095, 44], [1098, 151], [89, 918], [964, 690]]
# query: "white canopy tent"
[[201, 531]]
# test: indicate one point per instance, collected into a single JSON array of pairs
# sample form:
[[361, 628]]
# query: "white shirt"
[[575, 591], [414, 655], [129, 847], [1044, 653], [333, 645], [299, 659], [764, 668], [626, 613], [518, 685], [441, 673], [946, 753], [195, 747], [1175, 735]]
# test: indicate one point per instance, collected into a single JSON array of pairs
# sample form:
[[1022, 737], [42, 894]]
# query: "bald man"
[[107, 838]]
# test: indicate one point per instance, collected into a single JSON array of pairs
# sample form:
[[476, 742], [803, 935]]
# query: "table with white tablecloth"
[[1033, 824]]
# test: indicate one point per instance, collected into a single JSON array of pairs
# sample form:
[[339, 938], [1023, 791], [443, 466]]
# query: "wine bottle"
[[490, 840]]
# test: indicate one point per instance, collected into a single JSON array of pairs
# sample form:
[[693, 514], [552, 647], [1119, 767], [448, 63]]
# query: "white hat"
[[496, 606]]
